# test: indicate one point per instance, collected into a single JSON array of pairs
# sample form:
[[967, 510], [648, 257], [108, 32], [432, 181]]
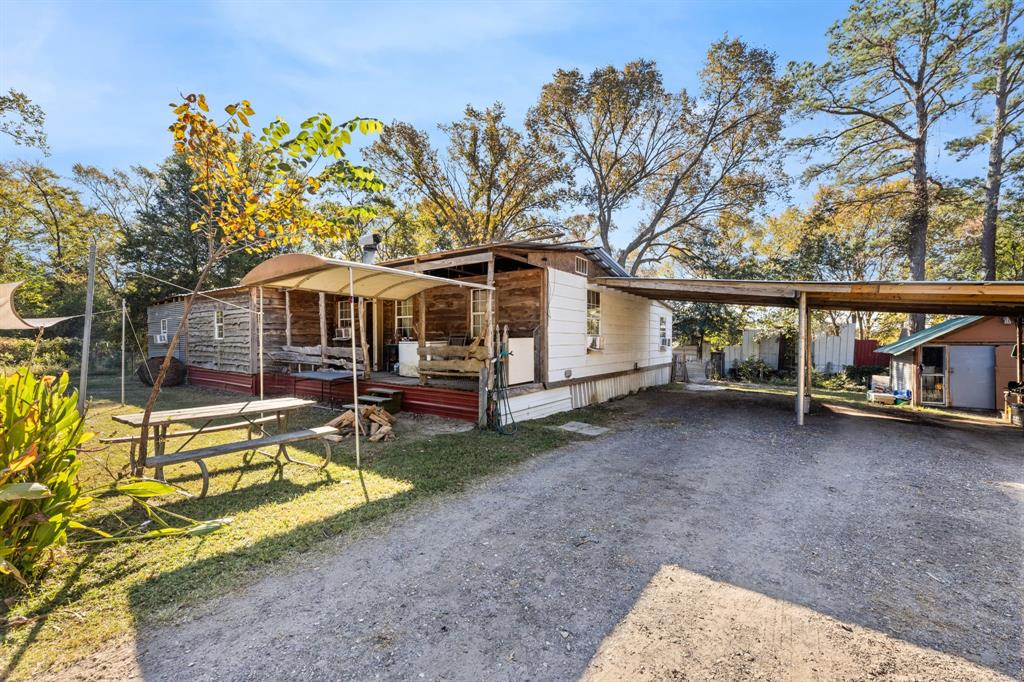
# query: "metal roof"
[[316, 273], [597, 253], [925, 335], [949, 298]]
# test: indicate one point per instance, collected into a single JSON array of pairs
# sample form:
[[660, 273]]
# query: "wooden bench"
[[280, 441], [463, 362], [313, 356], [190, 433]]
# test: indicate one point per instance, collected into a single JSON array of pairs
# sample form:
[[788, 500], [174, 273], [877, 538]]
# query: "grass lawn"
[[91, 595]]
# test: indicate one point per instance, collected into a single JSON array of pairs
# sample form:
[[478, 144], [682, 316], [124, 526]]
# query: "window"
[[477, 312], [582, 266], [403, 319], [344, 329], [593, 313], [663, 331], [218, 324], [163, 326]]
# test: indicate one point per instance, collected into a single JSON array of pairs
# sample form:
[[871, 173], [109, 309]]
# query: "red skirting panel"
[[443, 402]]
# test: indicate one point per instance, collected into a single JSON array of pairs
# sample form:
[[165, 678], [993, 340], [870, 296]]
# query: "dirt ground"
[[705, 537]]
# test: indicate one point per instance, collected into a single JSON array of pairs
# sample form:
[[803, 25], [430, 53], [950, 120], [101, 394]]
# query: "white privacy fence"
[[830, 354], [766, 348]]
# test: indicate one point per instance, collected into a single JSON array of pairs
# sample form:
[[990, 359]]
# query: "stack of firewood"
[[375, 422]]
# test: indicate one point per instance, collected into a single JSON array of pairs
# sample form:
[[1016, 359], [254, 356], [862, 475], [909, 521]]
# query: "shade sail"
[[306, 272], [963, 298], [10, 320]]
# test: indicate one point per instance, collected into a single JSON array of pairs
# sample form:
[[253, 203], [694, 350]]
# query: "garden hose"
[[505, 425]]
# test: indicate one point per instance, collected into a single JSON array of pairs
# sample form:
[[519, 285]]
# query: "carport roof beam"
[[965, 298]]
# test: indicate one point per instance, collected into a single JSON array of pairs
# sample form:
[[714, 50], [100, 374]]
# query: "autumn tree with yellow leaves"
[[258, 193]]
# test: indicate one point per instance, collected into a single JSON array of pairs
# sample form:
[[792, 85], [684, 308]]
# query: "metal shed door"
[[973, 376]]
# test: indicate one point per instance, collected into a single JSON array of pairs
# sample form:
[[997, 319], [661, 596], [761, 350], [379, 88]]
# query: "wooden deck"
[[453, 398]]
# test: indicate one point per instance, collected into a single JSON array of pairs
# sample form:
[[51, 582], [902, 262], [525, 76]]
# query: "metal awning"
[[306, 272], [11, 320], [950, 298]]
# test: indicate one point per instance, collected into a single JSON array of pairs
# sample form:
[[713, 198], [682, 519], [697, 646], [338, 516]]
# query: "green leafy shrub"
[[754, 370], [55, 355], [39, 490], [834, 382], [40, 497], [862, 375]]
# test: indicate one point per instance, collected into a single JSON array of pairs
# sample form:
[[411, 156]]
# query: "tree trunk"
[[140, 461], [918, 218], [995, 159]]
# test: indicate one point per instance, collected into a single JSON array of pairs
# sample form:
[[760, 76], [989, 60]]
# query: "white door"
[[972, 377]]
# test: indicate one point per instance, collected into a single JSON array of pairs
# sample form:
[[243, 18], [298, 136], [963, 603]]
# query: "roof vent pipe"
[[369, 243]]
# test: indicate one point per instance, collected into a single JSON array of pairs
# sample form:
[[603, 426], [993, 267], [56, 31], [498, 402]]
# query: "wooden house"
[[572, 342]]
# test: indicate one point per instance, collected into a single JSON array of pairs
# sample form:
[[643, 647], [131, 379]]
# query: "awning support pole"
[[801, 359], [355, 366], [259, 318]]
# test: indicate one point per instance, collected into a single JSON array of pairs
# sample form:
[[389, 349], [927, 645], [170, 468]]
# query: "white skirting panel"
[[545, 403]]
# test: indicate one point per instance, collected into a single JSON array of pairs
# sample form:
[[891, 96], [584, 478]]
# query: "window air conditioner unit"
[[160, 338], [595, 343], [344, 333]]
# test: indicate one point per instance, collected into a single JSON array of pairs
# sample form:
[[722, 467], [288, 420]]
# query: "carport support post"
[[801, 357]]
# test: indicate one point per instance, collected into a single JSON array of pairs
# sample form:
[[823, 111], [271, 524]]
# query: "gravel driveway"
[[706, 536]]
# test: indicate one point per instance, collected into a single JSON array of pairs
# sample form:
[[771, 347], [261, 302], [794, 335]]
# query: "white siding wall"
[[901, 372], [540, 404], [170, 311], [629, 327]]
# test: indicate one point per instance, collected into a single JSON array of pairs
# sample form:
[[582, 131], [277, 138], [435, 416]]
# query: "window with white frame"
[[163, 326], [663, 332], [593, 313], [477, 312], [344, 329], [403, 319], [218, 324], [582, 266]]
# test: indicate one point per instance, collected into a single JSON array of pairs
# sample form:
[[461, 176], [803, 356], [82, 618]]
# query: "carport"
[[1004, 299]]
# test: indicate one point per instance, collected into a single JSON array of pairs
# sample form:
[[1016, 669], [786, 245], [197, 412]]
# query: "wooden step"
[[380, 390]]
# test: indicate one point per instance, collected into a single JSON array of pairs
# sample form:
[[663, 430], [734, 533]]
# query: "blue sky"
[[104, 72]]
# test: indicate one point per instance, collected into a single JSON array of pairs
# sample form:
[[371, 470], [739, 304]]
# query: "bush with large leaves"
[[40, 496]]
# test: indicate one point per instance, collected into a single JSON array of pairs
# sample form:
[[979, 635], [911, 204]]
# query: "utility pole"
[[83, 379]]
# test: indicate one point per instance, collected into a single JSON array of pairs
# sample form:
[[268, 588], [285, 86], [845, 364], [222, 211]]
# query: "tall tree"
[[617, 128], [22, 121], [253, 194], [1001, 87], [494, 183], [693, 160], [895, 69]]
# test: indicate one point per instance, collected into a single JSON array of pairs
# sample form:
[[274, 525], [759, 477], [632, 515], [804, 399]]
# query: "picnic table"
[[250, 415]]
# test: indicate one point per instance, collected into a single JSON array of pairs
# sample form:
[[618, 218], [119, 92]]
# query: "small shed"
[[962, 362]]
